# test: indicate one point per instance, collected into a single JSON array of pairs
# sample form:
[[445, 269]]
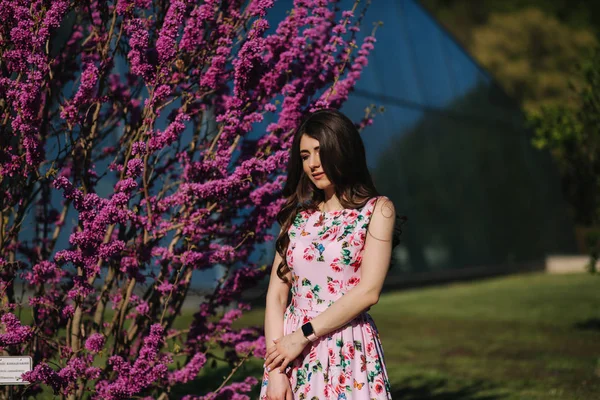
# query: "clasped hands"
[[284, 350]]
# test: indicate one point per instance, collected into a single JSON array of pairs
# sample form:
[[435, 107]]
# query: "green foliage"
[[531, 54], [461, 16], [572, 134], [529, 46]]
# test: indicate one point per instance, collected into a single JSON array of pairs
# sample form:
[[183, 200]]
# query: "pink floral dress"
[[324, 255]]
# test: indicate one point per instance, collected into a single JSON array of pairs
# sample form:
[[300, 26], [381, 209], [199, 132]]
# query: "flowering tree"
[[132, 118]]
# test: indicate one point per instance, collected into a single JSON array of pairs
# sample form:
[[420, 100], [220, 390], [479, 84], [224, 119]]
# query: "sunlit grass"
[[531, 336]]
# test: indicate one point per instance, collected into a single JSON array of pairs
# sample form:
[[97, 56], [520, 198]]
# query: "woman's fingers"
[[271, 349], [283, 365], [275, 362], [271, 355]]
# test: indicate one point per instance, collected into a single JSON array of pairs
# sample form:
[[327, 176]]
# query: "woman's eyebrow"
[[306, 151]]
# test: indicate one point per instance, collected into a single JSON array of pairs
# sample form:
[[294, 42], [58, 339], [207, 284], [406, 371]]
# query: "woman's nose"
[[314, 161]]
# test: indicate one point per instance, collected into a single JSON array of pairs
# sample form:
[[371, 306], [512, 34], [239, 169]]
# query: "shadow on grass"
[[431, 388], [416, 387], [592, 324], [212, 378]]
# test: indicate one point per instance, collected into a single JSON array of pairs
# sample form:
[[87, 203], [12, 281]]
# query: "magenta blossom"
[[137, 158]]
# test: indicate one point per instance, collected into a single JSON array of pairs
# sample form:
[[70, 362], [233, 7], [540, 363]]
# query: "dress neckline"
[[334, 212]]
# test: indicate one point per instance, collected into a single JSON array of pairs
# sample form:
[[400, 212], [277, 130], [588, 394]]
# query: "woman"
[[333, 253]]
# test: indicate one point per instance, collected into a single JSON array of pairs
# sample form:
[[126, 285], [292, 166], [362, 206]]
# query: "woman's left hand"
[[285, 350]]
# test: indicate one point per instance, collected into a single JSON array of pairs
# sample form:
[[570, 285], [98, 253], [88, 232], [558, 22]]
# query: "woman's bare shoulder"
[[385, 207]]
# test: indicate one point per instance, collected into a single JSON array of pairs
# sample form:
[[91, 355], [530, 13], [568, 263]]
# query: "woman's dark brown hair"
[[343, 159]]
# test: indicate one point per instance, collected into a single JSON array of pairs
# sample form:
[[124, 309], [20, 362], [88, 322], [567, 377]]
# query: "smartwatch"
[[308, 332]]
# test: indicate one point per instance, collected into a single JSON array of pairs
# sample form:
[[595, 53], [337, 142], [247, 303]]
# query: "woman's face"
[[311, 162]]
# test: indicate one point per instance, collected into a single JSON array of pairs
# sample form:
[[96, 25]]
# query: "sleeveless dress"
[[324, 256]]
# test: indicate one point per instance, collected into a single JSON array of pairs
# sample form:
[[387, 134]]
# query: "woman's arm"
[[376, 260], [374, 267], [277, 296]]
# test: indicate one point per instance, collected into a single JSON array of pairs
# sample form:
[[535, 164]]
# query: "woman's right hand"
[[278, 386]]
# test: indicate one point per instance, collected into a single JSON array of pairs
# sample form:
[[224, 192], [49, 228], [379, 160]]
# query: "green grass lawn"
[[530, 336]]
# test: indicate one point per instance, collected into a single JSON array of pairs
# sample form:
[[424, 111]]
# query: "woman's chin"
[[323, 185]]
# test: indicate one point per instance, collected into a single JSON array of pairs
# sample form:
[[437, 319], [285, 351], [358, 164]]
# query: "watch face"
[[307, 329]]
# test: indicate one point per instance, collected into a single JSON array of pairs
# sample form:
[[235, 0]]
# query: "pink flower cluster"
[[15, 332], [126, 154], [95, 343], [149, 367]]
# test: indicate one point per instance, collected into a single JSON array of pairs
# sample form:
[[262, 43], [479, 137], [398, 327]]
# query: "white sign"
[[12, 367]]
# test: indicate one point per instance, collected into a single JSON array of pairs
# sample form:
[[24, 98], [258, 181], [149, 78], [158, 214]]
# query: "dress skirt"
[[348, 363]]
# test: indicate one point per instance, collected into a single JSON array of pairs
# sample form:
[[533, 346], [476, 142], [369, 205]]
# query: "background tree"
[[529, 46], [462, 16], [573, 137], [124, 129], [531, 54]]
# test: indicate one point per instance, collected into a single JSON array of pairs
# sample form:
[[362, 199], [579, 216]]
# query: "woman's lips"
[[319, 175]]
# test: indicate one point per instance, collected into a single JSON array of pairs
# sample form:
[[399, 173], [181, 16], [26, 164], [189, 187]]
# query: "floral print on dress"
[[324, 257]]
